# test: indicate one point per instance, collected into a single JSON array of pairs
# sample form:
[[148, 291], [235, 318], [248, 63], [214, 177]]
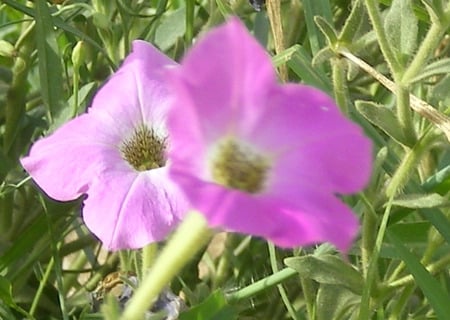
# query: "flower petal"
[[64, 163], [236, 64], [129, 210], [136, 93]]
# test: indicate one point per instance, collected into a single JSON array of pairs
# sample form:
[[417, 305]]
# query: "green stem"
[[281, 290], [192, 235], [372, 273], [40, 289], [310, 296], [375, 17], [369, 226], [189, 35], [433, 268], [401, 302], [340, 84], [404, 114], [261, 285], [148, 257], [409, 163], [427, 47]]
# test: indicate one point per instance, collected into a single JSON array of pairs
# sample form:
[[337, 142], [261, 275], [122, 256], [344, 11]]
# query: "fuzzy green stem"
[[433, 268], [340, 84], [404, 114], [375, 17], [372, 274], [369, 226], [189, 35], [148, 257], [427, 47], [401, 302], [192, 235], [409, 163], [261, 285]]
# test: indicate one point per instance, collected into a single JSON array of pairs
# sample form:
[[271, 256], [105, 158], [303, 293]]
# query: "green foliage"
[[54, 55]]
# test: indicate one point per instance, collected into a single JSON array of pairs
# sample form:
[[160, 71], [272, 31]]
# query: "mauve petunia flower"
[[116, 155], [261, 158]]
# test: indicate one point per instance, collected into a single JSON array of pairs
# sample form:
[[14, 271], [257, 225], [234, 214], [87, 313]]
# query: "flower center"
[[144, 150], [238, 167]]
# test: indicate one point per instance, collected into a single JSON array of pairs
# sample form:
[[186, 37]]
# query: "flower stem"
[[428, 46], [375, 17], [261, 285], [188, 239], [372, 273], [340, 84], [404, 114]]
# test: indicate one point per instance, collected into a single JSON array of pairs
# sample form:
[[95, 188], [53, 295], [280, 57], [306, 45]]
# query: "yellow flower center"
[[144, 150], [239, 167]]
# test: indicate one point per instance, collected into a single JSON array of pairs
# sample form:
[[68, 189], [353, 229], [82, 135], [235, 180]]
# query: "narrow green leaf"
[[50, 68], [302, 66], [383, 118], [437, 67], [314, 8], [354, 22], [411, 232], [327, 269], [439, 221], [437, 296], [6, 291], [415, 201], [327, 30], [402, 27]]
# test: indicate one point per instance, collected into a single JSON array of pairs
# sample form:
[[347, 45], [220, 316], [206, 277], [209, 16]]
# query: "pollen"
[[144, 150], [239, 167]]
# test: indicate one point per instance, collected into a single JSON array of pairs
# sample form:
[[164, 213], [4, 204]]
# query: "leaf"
[[171, 29], [214, 307], [401, 27], [301, 64], [6, 291], [327, 29], [411, 232], [415, 201], [435, 293], [441, 66], [353, 23], [383, 118], [50, 68], [334, 302], [327, 269]]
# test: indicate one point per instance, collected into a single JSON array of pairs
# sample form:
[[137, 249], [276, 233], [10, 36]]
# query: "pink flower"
[[116, 154], [261, 158]]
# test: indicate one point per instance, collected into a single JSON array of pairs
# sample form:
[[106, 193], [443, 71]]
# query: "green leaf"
[[50, 68], [411, 232], [335, 302], [383, 118], [327, 29], [401, 27], [171, 29], [327, 269], [353, 23], [441, 66], [311, 9], [435, 293], [415, 201], [323, 56], [6, 291], [439, 221], [214, 307], [301, 64]]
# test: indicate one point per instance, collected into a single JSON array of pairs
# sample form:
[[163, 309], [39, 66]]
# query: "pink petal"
[[214, 76], [136, 93], [64, 163], [129, 210]]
